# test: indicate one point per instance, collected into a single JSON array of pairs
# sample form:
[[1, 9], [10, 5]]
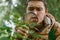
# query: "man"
[[47, 21]]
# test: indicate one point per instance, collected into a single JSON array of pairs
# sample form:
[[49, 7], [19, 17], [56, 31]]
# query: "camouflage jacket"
[[50, 23], [53, 24]]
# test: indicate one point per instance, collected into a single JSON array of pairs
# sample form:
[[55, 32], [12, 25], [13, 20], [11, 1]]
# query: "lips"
[[34, 19]]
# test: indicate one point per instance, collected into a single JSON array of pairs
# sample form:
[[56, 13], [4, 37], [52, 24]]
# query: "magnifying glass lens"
[[30, 18]]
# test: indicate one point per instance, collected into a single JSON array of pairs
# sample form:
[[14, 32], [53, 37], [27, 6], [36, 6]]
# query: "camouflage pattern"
[[50, 22]]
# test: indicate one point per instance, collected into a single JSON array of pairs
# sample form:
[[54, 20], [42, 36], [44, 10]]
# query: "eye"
[[31, 8], [39, 9]]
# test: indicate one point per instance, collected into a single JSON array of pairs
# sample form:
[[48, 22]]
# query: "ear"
[[46, 11]]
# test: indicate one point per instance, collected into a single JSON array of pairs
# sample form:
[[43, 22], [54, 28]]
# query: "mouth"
[[34, 19]]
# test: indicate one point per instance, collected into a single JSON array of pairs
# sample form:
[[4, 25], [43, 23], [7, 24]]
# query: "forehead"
[[35, 3]]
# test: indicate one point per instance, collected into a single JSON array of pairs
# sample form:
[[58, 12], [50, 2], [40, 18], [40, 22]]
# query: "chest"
[[43, 34]]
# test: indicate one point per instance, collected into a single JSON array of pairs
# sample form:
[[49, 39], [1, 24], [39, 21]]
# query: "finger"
[[36, 29], [21, 31]]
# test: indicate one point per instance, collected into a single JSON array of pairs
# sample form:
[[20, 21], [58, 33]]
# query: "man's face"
[[38, 8]]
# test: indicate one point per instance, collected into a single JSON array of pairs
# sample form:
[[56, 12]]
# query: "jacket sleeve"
[[57, 30]]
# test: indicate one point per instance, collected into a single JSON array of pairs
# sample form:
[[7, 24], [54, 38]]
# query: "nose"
[[35, 12]]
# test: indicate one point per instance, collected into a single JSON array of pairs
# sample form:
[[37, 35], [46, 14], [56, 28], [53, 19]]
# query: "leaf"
[[5, 38]]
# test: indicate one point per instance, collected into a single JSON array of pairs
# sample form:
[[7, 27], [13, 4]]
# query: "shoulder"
[[57, 30], [55, 24]]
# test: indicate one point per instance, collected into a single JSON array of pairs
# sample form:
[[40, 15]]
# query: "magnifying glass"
[[30, 18]]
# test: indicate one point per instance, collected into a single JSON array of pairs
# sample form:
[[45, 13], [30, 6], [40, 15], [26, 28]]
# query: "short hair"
[[44, 1]]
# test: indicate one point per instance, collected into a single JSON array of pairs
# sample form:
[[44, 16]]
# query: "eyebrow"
[[34, 7]]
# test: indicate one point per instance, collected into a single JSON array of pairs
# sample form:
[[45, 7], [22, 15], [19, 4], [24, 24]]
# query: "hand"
[[22, 31]]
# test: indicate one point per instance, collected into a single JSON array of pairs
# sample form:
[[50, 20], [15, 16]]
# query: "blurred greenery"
[[11, 12]]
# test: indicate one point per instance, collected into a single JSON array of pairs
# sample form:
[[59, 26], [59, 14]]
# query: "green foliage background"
[[14, 12]]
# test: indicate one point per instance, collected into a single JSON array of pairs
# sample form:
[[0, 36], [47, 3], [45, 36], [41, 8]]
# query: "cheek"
[[41, 14], [41, 17]]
